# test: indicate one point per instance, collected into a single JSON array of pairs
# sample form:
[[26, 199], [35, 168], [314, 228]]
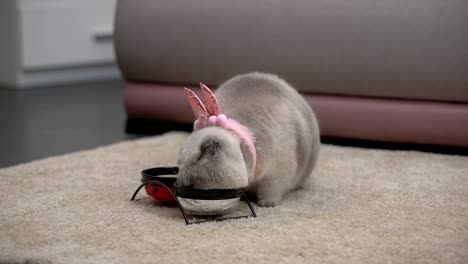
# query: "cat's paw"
[[268, 203]]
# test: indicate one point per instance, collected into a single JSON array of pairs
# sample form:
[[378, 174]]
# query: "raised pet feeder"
[[160, 184]]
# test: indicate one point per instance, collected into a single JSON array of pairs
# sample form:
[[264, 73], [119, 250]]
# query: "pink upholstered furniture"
[[394, 71]]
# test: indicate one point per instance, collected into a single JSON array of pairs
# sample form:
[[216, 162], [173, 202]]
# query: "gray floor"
[[42, 122]]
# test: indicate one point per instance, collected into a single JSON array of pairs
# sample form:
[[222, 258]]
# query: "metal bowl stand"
[[175, 195]]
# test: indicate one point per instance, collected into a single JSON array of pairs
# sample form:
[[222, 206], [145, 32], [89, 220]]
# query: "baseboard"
[[70, 75], [349, 142], [154, 127]]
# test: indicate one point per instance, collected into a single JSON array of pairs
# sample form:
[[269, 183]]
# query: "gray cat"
[[277, 119]]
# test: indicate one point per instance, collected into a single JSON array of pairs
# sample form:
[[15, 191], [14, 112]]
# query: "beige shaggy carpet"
[[370, 206]]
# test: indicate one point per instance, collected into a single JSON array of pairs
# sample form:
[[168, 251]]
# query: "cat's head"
[[212, 158]]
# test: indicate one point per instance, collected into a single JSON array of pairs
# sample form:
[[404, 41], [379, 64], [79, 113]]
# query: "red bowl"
[[160, 193], [163, 175]]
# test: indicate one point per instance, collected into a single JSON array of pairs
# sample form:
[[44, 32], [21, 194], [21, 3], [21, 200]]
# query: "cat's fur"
[[286, 133]]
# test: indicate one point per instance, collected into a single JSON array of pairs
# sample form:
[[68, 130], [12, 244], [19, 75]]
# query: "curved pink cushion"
[[390, 120]]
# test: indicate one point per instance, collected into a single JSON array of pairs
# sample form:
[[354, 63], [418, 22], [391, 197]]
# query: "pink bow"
[[210, 115]]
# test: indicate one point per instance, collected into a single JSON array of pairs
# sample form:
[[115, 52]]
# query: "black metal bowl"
[[153, 174], [213, 194]]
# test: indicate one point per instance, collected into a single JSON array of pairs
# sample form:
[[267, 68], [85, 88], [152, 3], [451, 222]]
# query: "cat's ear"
[[210, 146]]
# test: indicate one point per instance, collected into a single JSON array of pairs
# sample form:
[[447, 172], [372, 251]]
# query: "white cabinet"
[[57, 41]]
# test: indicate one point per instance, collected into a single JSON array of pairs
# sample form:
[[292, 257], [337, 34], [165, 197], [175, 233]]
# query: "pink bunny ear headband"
[[211, 115]]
